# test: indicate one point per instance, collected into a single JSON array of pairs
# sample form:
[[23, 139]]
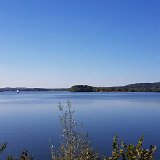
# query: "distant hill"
[[137, 87], [144, 85]]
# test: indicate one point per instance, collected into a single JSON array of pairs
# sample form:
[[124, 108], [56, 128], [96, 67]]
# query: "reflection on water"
[[29, 119]]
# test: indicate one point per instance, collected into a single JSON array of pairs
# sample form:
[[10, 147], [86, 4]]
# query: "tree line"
[[139, 87]]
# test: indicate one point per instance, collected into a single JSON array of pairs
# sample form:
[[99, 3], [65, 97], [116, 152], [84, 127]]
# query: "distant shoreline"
[[137, 87], [32, 89]]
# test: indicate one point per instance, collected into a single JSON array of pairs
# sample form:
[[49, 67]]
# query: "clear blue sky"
[[60, 43]]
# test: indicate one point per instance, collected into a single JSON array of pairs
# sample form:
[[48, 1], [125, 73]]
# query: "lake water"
[[29, 119]]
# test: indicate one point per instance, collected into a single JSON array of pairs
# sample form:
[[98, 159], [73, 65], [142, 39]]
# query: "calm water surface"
[[29, 119]]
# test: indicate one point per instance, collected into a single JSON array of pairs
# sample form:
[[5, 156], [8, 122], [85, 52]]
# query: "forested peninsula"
[[137, 87]]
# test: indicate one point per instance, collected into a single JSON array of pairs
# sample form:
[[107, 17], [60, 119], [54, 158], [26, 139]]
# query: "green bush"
[[75, 142], [23, 156], [123, 151]]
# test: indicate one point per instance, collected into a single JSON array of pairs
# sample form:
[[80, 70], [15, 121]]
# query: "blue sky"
[[60, 43]]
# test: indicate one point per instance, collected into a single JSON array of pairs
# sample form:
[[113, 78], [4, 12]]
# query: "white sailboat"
[[17, 91]]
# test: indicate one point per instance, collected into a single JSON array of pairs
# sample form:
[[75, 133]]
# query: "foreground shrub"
[[75, 142], [130, 152], [23, 156]]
